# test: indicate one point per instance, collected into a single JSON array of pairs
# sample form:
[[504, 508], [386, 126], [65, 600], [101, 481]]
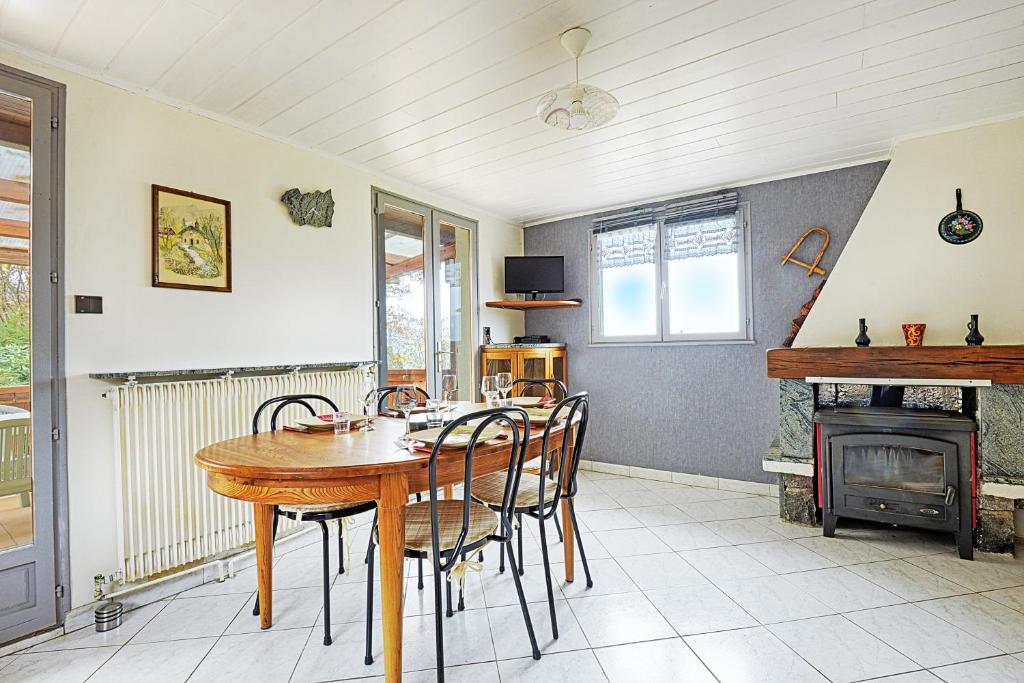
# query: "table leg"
[[567, 541], [394, 494], [263, 516], [449, 492]]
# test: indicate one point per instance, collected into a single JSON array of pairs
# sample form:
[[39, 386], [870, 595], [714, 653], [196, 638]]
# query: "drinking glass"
[[406, 401], [369, 402], [342, 422], [435, 416], [489, 388], [504, 385], [449, 388]]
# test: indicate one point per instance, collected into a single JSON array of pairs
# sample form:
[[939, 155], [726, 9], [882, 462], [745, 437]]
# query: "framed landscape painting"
[[191, 240]]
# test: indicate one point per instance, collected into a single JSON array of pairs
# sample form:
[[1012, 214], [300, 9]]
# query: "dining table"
[[288, 467]]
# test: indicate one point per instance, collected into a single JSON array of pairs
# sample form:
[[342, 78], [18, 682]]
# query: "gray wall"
[[702, 409]]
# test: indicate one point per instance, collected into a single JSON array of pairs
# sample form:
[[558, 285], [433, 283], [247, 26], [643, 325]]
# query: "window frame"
[[663, 336]]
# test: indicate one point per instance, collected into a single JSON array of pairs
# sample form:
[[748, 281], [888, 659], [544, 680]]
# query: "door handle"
[[950, 495]]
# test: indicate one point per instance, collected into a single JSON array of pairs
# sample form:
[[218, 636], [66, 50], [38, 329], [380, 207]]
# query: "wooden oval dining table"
[[287, 467]]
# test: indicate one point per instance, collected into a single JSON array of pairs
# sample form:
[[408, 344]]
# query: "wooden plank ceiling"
[[442, 92]]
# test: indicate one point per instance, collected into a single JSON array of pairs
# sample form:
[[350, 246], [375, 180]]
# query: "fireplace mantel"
[[999, 364]]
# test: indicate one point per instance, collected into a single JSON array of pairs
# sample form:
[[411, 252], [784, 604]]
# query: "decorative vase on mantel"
[[974, 337], [863, 339]]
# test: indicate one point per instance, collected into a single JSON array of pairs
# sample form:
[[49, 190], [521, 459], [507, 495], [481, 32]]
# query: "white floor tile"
[[842, 590], [736, 531], [597, 500], [924, 638], [727, 563], [62, 666], [732, 508], [665, 570], [348, 600], [621, 485], [913, 677], [660, 515], [244, 581], [485, 672], [788, 529], [901, 542], [984, 573], [193, 618], [841, 650], [343, 659], [608, 520], [657, 661], [170, 662], [700, 609], [844, 551], [608, 578], [626, 542], [252, 657], [565, 666], [685, 495], [1011, 597], [293, 608], [618, 619], [691, 536], [983, 618], [467, 640], [771, 599], [500, 589], [751, 656], [508, 630], [133, 622], [783, 557], [907, 581], [995, 670], [630, 499]]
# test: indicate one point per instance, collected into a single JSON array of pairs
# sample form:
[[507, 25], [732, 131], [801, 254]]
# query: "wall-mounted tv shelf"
[[534, 305]]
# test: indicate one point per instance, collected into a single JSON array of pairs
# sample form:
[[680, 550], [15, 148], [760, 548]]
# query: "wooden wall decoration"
[[798, 322], [812, 268]]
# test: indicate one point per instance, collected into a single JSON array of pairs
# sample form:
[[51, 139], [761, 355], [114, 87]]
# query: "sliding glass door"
[[426, 295]]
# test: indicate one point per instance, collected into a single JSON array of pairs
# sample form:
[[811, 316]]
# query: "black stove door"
[[894, 478]]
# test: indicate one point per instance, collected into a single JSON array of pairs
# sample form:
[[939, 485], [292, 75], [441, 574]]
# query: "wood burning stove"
[[899, 466]]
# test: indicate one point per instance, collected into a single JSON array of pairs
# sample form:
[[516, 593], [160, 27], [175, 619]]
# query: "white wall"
[[300, 294], [896, 269]]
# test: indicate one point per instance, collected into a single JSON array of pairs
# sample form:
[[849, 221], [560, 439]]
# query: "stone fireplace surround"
[[986, 383]]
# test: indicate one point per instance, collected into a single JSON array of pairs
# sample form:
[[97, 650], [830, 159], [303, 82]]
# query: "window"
[[676, 274]]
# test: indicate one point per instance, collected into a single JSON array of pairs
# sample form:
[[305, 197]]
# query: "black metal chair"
[[446, 531], [554, 388], [384, 393], [319, 513], [539, 494]]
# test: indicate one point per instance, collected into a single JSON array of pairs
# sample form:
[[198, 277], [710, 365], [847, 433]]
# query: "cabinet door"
[[497, 361], [534, 364], [559, 369]]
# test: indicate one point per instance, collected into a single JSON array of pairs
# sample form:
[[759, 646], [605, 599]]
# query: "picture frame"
[[191, 240]]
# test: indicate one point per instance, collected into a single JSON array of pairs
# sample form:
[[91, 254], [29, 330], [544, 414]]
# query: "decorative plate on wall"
[[960, 226]]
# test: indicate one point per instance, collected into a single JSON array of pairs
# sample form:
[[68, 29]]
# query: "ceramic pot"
[[974, 338], [913, 333], [863, 339]]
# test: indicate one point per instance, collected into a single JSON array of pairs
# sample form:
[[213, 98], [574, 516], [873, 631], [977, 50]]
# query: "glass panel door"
[[455, 301], [426, 292], [28, 301]]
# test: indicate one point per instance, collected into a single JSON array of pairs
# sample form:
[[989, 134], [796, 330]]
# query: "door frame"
[[430, 267], [57, 339]]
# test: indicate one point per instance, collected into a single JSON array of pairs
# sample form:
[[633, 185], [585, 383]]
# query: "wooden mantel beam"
[[1000, 364]]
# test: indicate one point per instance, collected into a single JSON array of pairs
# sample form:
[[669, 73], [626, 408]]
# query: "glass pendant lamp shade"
[[579, 106]]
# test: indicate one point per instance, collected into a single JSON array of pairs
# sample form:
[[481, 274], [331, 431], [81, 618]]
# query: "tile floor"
[[691, 584]]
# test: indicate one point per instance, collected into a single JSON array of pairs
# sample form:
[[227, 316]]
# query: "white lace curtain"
[[626, 246], [702, 237]]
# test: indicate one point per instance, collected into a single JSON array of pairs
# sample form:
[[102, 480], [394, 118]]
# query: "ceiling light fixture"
[[580, 106]]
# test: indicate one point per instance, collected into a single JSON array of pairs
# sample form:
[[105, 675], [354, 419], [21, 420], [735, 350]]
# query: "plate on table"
[[539, 415], [528, 401], [459, 438], [324, 422]]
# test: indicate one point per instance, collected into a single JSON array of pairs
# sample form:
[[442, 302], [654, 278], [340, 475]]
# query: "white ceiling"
[[441, 93]]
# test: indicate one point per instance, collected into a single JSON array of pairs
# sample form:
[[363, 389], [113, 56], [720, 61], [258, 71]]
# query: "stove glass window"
[[894, 467]]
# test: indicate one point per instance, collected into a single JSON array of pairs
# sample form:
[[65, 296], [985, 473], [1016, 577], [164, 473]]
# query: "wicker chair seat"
[[482, 523], [490, 490]]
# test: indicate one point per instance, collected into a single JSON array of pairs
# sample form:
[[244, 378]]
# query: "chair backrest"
[[518, 422], [384, 393], [555, 388], [283, 402], [562, 449]]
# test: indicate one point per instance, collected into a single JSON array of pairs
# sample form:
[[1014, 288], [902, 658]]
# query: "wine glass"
[[489, 388], [504, 384], [449, 389], [406, 401], [369, 402]]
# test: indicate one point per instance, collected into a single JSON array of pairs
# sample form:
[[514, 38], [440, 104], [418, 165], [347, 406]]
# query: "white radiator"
[[167, 517]]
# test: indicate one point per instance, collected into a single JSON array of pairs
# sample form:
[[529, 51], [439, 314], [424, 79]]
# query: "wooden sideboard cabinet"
[[530, 361]]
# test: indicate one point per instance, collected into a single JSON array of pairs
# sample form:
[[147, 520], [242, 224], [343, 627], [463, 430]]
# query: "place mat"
[[458, 438], [323, 423]]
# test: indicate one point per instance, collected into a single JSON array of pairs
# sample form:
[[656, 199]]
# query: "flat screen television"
[[534, 274]]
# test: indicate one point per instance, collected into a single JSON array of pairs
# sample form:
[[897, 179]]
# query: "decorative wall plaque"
[[309, 208]]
